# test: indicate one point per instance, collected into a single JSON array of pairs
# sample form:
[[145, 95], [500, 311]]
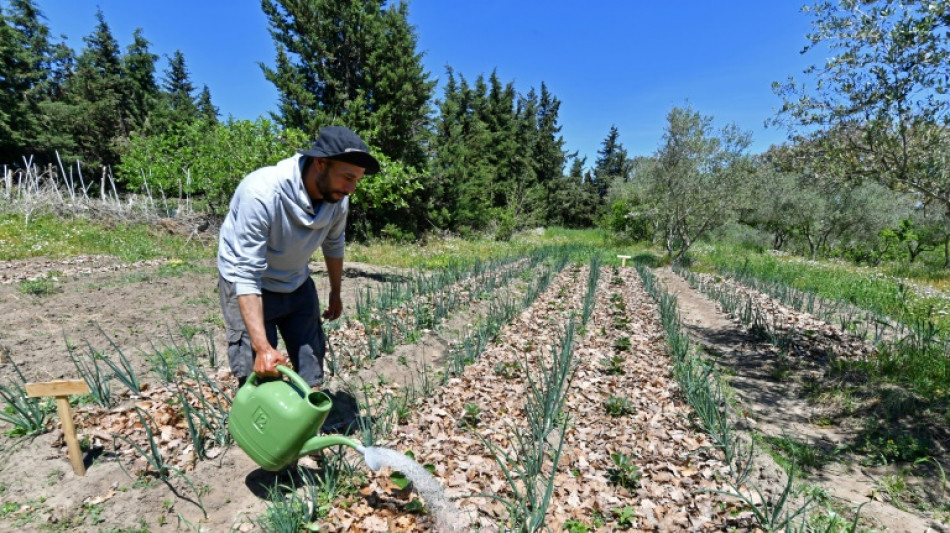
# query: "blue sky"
[[619, 62]]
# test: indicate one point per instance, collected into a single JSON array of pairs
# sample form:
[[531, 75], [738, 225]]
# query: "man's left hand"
[[334, 307]]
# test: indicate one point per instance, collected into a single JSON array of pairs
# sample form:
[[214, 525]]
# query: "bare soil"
[[95, 302]]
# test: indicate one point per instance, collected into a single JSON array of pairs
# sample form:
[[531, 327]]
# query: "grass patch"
[[440, 252], [867, 288], [54, 237], [796, 454], [886, 444], [38, 287]]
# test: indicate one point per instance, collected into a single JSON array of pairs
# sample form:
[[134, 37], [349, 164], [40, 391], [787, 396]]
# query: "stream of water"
[[446, 514]]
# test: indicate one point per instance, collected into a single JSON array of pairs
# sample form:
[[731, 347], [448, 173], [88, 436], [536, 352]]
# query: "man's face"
[[337, 179]]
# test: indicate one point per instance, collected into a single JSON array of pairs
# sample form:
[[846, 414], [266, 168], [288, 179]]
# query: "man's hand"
[[266, 361], [334, 307], [266, 357]]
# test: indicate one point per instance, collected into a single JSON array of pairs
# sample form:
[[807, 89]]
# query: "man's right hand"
[[266, 357], [266, 361]]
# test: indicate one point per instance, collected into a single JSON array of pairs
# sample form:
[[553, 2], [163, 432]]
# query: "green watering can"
[[276, 422]]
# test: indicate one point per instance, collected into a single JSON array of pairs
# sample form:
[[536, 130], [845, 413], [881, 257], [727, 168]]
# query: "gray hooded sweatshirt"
[[273, 228]]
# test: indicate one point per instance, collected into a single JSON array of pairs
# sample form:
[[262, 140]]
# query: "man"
[[278, 217]]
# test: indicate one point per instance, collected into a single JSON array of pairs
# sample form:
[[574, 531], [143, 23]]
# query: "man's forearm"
[[252, 311], [334, 273]]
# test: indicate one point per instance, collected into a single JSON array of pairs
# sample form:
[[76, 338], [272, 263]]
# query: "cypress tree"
[[548, 157], [447, 156], [138, 66], [527, 138], [96, 89], [503, 154], [350, 62], [575, 198], [399, 90], [611, 162], [31, 69], [461, 175]]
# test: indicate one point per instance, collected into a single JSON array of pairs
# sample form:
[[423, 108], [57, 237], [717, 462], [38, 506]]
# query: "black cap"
[[341, 144]]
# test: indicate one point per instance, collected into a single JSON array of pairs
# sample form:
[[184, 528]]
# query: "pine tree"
[[350, 62], [178, 89]]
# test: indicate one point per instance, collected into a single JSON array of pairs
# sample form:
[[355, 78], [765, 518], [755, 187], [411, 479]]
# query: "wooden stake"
[[623, 259], [61, 391]]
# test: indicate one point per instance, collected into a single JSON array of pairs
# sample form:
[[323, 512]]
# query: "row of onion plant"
[[703, 389]]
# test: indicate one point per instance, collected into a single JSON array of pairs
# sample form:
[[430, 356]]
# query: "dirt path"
[[776, 407]]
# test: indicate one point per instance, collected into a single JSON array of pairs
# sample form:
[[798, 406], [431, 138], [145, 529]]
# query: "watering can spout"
[[325, 441]]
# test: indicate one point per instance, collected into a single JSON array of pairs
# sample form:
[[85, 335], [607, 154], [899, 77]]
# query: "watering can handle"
[[294, 377]]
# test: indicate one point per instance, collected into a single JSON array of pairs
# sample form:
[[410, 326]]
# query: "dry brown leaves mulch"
[[166, 419], [810, 336], [677, 462]]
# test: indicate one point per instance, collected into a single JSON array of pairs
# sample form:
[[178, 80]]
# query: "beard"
[[322, 183]]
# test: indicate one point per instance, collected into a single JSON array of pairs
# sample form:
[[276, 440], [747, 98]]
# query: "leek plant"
[[90, 371], [592, 278], [27, 415], [530, 468], [705, 394], [156, 459]]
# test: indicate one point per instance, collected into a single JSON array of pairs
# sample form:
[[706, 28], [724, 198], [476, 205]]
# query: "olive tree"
[[875, 103], [699, 180]]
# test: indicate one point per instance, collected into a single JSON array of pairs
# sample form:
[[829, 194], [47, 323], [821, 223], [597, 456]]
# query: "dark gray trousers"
[[295, 315]]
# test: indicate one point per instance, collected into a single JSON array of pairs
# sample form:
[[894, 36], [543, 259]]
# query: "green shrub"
[[205, 161]]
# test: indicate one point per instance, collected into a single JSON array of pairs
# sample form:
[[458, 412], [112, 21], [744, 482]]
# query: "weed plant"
[[613, 365], [617, 406], [625, 473], [507, 369], [795, 454], [471, 416], [43, 286]]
